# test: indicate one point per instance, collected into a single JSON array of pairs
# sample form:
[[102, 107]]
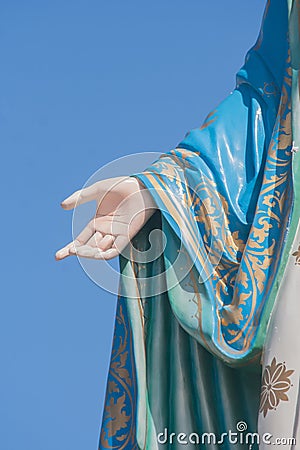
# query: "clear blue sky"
[[82, 83]]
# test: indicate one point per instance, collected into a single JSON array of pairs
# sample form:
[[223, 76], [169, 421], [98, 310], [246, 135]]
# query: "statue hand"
[[123, 207]]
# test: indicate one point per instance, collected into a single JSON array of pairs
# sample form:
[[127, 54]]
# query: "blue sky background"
[[84, 82]]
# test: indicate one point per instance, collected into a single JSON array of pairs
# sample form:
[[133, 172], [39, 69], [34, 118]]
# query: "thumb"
[[82, 196]]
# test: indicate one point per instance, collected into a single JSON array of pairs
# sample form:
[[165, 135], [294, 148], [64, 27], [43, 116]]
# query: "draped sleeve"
[[200, 280], [227, 194]]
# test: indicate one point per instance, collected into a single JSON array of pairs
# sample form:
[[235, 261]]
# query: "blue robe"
[[191, 322]]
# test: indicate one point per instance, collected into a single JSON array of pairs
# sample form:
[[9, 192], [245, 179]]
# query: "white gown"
[[279, 420]]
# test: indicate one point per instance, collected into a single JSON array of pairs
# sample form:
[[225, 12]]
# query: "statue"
[[205, 351]]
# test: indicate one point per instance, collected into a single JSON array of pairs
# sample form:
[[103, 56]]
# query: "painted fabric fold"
[[227, 191], [201, 278], [162, 382]]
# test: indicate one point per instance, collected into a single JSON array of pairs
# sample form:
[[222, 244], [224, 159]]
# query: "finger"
[[95, 240], [63, 252], [109, 254], [82, 196], [68, 250], [106, 243], [81, 239], [84, 251], [93, 248], [86, 233]]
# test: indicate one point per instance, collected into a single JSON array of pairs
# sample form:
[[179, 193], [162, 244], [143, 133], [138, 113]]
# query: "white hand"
[[123, 207]]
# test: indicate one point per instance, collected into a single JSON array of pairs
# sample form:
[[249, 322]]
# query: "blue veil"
[[191, 323]]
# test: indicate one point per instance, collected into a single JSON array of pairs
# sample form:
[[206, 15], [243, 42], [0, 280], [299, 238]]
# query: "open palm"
[[123, 207]]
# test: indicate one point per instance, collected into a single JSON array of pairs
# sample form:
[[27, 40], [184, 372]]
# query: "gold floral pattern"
[[270, 89], [297, 256], [243, 258], [209, 120], [118, 424], [275, 384]]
